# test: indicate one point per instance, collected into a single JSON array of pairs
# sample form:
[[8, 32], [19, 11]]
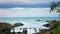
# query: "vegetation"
[[57, 29], [5, 27], [54, 28], [55, 6], [54, 25]]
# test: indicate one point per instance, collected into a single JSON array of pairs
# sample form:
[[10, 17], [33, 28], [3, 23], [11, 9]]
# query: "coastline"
[[36, 26]]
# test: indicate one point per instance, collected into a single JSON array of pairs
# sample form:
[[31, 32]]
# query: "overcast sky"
[[25, 3], [26, 8], [27, 12]]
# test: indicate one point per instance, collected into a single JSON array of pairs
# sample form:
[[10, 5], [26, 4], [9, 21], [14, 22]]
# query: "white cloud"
[[24, 12], [27, 1]]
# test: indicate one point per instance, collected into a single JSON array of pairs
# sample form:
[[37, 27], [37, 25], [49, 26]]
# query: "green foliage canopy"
[[54, 6]]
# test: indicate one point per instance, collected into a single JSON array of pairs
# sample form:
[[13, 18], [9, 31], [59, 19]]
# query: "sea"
[[31, 20]]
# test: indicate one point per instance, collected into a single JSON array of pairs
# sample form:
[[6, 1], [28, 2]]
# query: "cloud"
[[26, 1], [27, 12]]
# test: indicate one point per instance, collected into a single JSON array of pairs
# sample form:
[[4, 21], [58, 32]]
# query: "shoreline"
[[44, 29]]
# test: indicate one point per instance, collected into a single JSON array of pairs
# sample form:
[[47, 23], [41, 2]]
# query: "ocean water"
[[32, 20]]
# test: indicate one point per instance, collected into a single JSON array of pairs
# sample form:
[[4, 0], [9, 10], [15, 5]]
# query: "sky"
[[26, 8], [25, 3]]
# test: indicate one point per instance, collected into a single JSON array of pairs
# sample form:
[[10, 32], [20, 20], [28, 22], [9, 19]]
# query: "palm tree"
[[55, 6]]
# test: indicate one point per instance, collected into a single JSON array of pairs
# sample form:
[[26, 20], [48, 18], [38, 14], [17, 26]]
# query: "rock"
[[37, 20], [46, 25], [47, 20]]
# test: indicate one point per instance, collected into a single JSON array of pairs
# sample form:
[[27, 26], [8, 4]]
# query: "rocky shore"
[[52, 25], [5, 28]]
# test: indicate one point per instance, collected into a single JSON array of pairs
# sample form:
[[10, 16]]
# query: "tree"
[[55, 6]]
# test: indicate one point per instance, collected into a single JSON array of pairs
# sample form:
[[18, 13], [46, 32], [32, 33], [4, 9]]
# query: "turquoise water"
[[13, 20]]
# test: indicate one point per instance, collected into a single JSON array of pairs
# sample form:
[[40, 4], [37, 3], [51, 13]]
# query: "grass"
[[57, 29]]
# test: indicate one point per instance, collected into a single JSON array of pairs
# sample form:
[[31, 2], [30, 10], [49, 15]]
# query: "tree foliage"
[[54, 6]]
